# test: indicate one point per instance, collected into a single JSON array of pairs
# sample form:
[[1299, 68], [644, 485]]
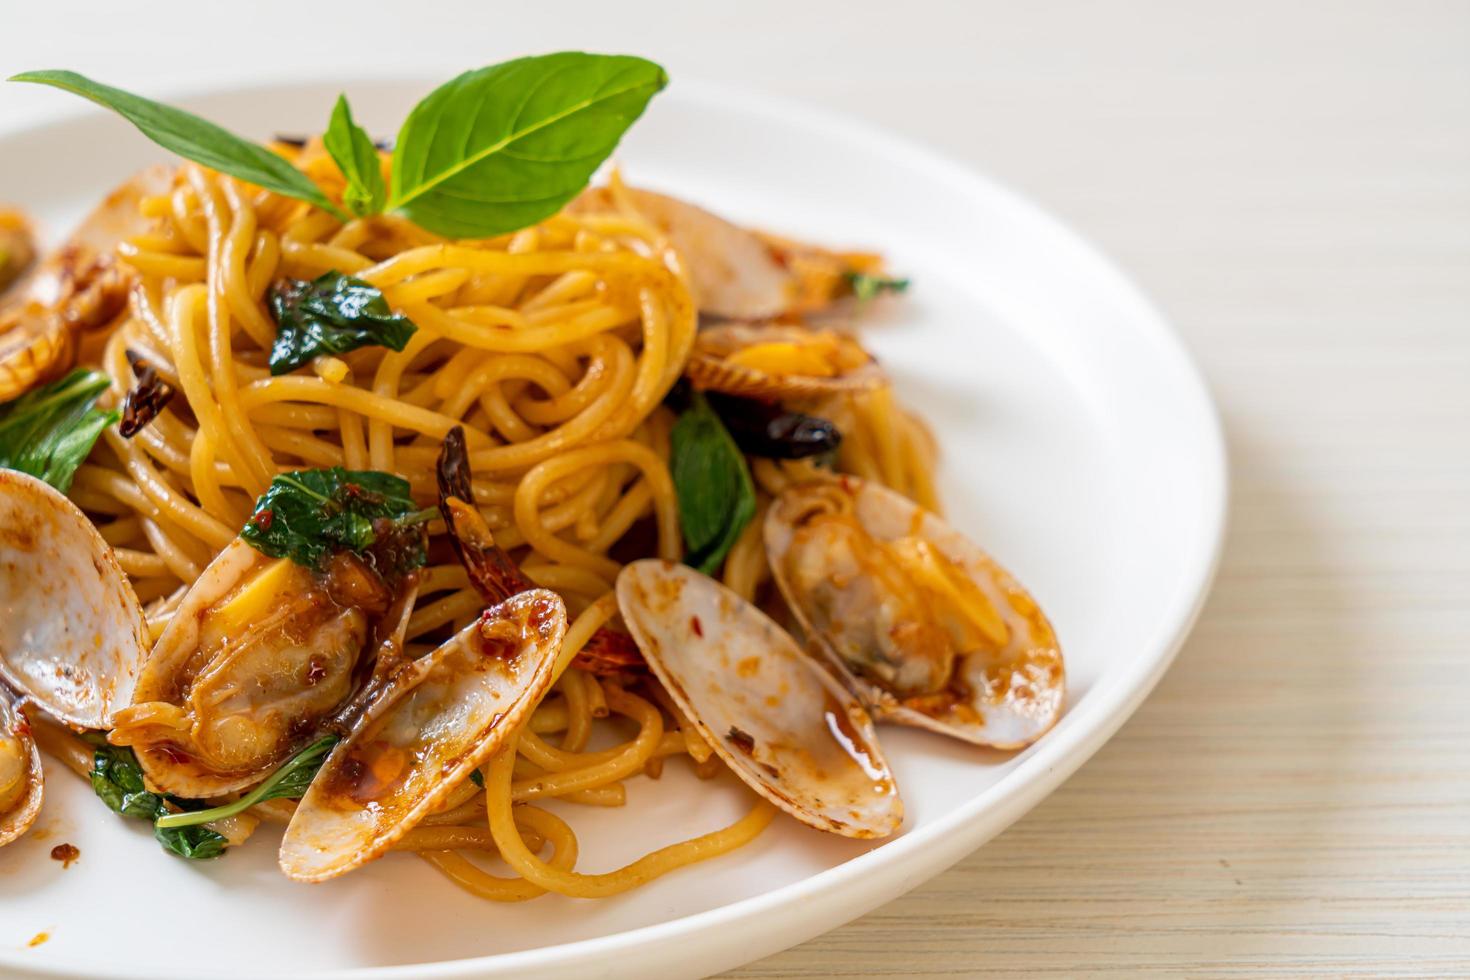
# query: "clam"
[[72, 636], [775, 362], [926, 628], [434, 722], [779, 721], [259, 658], [20, 775], [97, 236], [71, 632], [739, 274], [77, 288], [733, 274], [17, 247]]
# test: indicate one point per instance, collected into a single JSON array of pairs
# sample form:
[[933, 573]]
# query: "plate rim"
[[947, 841]]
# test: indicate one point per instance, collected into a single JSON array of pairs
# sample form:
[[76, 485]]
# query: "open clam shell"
[[886, 586], [79, 286], [257, 659], [167, 677], [21, 784], [72, 635], [119, 217], [774, 362], [781, 723], [733, 273], [437, 720]]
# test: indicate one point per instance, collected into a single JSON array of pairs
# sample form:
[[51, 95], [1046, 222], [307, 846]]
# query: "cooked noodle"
[[554, 347]]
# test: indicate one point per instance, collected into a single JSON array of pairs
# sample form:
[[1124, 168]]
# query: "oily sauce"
[[66, 854]]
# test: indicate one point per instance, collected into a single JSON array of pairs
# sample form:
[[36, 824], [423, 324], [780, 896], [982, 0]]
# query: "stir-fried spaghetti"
[[413, 499], [554, 346]]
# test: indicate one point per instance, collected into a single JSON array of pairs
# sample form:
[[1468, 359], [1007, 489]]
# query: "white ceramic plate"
[[1080, 447]]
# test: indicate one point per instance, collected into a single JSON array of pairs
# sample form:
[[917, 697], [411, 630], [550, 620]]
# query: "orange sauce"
[[66, 854], [369, 772], [854, 746]]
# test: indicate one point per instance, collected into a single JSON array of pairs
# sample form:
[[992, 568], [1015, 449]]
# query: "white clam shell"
[[17, 819], [72, 635], [119, 216], [780, 722], [441, 718], [1016, 693], [708, 367], [733, 273]]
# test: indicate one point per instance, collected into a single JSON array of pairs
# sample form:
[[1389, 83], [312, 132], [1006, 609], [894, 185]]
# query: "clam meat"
[[925, 627]]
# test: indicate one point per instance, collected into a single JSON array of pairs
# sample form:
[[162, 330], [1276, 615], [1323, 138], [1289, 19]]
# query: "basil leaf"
[[118, 780], [502, 147], [195, 843], [289, 781], [48, 432], [357, 157], [332, 314], [716, 496], [309, 515], [192, 138], [866, 287]]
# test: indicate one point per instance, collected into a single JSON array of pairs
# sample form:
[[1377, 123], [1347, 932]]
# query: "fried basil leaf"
[[716, 495], [332, 314], [117, 779], [195, 843], [48, 432], [309, 515]]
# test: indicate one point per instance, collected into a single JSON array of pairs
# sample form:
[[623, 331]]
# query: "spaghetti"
[[554, 347]]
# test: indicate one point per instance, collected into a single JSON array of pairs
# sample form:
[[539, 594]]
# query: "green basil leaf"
[[502, 147], [48, 432], [332, 314], [118, 780], [357, 157], [195, 843], [309, 515], [865, 286], [192, 138], [289, 781], [716, 495]]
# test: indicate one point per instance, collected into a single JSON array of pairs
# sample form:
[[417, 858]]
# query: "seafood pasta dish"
[[417, 495]]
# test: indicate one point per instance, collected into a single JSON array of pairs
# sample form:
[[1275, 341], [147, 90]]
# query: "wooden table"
[[1292, 183]]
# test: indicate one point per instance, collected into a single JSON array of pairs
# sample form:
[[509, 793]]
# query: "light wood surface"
[[1291, 181]]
